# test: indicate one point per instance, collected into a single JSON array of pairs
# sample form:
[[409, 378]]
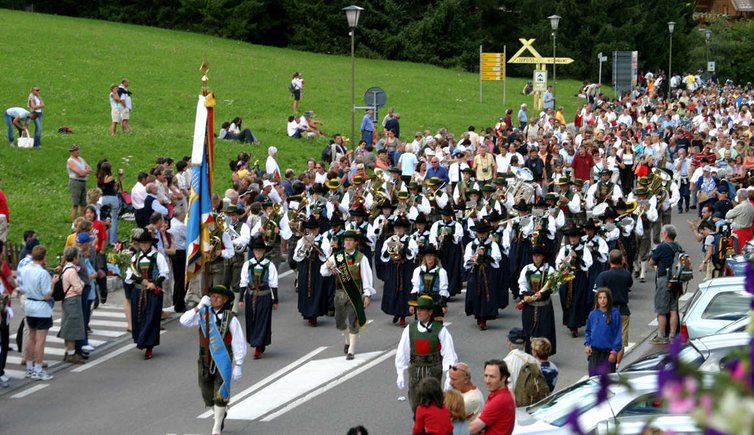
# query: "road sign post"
[[711, 66], [540, 80], [491, 68], [539, 63]]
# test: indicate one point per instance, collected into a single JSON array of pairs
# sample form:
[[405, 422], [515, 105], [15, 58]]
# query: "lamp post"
[[352, 15], [671, 27], [554, 21], [707, 37]]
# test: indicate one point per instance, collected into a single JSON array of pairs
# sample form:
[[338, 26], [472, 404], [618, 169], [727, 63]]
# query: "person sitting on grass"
[[232, 131]]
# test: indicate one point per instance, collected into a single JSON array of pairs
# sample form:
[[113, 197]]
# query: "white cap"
[[267, 183], [707, 168]]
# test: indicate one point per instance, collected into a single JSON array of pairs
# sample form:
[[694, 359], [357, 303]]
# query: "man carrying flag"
[[222, 349], [353, 288]]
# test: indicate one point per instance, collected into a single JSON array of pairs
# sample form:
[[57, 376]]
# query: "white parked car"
[[637, 425], [550, 415], [716, 304]]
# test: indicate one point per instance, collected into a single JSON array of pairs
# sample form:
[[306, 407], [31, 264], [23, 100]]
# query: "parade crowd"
[[515, 213]]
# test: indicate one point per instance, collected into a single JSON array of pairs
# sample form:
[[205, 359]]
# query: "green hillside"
[[74, 61]]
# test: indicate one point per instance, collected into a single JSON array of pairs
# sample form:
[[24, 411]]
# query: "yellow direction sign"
[[492, 66], [536, 57]]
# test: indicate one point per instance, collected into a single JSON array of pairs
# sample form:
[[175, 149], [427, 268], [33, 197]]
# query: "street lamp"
[[352, 15], [554, 21], [707, 37], [671, 27]]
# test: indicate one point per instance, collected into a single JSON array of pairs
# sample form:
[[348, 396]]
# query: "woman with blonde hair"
[[453, 400]]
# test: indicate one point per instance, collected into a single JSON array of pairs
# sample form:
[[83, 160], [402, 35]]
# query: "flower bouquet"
[[562, 274], [118, 256]]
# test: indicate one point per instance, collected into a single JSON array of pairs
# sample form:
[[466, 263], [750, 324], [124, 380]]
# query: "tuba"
[[522, 188], [395, 248], [378, 196], [216, 235], [269, 225], [657, 186]]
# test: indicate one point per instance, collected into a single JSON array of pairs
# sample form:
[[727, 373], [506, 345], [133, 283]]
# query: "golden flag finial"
[[204, 69]]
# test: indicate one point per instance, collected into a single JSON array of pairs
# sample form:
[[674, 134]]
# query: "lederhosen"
[[425, 359], [538, 317], [210, 379], [345, 313]]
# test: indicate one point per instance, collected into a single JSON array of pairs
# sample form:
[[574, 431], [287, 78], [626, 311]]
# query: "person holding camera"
[[484, 164]]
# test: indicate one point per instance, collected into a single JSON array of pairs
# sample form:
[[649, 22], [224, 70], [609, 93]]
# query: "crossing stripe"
[[28, 391]]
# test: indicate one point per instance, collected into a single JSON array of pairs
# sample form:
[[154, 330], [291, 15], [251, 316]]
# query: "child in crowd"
[[540, 349], [603, 338], [454, 402], [431, 415]]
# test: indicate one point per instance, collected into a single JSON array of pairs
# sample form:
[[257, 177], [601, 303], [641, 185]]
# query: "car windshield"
[[690, 355], [556, 408]]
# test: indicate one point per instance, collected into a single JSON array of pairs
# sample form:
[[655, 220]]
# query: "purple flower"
[[710, 431], [749, 282], [603, 371], [751, 363], [573, 422]]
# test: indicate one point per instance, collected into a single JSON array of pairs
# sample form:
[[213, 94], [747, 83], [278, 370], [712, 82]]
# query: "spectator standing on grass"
[[116, 108], [4, 217], [125, 98], [35, 103], [37, 287], [602, 339], [106, 182], [498, 416], [367, 127], [78, 170], [18, 117], [297, 89]]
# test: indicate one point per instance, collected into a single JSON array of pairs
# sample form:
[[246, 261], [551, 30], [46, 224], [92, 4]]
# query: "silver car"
[[707, 354], [716, 304], [550, 416], [637, 425]]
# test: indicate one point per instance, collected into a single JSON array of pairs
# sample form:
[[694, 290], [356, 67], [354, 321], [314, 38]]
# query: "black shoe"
[[83, 354], [349, 357], [693, 207], [395, 319]]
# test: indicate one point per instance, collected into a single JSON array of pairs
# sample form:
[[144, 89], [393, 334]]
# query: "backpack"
[[681, 270], [58, 294], [531, 385], [291, 88], [326, 153]]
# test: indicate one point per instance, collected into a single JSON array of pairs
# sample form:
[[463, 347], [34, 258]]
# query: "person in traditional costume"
[[517, 242], [432, 280], [312, 286], [418, 199], [222, 349], [421, 232], [482, 259], [648, 209], [240, 235], [497, 235], [147, 273], [398, 253], [382, 231], [353, 288], [603, 191], [259, 278], [576, 297], [597, 248], [537, 314], [361, 225], [333, 240], [446, 235], [425, 349], [272, 228]]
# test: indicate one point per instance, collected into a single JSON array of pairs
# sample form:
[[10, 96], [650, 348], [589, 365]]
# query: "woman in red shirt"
[[646, 163], [431, 415], [98, 228]]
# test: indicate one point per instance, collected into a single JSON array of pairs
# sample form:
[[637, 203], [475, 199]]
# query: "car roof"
[[719, 341], [637, 381], [718, 283]]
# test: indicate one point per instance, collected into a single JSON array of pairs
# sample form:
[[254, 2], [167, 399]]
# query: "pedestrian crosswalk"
[[108, 323]]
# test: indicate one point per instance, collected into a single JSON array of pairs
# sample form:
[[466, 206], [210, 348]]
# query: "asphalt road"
[[303, 384]]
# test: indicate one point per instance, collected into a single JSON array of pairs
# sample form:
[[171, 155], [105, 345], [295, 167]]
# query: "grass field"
[[74, 62]]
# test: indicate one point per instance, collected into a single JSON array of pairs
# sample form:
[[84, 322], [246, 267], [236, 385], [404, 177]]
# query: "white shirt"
[[272, 168], [442, 276], [364, 269], [272, 272], [192, 318], [515, 360], [178, 232], [447, 350], [138, 195]]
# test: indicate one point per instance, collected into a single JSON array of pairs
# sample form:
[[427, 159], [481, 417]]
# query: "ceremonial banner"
[[200, 199]]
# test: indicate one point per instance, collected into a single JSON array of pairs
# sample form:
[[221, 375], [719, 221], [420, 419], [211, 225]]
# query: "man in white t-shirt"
[[407, 164], [516, 357], [460, 379]]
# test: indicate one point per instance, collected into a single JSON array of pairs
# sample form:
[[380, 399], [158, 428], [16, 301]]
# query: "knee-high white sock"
[[352, 343], [643, 266], [219, 415]]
